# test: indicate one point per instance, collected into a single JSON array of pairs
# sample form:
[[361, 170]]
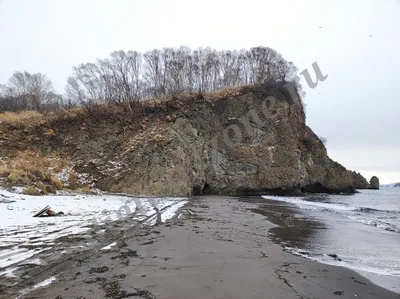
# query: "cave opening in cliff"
[[314, 188], [201, 190], [207, 189]]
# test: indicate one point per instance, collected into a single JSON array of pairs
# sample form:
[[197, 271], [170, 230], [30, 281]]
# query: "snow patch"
[[108, 247], [23, 236], [9, 273], [44, 283]]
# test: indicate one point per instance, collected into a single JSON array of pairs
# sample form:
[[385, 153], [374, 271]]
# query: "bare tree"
[[28, 91], [127, 76]]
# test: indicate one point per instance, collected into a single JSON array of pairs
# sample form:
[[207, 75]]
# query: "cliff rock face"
[[250, 140], [360, 182]]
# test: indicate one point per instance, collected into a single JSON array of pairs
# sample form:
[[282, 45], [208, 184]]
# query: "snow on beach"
[[23, 236]]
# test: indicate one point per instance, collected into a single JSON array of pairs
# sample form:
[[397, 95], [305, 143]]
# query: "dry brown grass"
[[131, 112], [32, 169], [85, 189], [227, 92], [31, 190], [23, 119], [31, 162], [72, 180], [30, 119]]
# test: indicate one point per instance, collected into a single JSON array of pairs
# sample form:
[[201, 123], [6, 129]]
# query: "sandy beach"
[[222, 248]]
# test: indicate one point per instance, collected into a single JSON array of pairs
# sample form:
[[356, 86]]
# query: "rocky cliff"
[[248, 140], [359, 181]]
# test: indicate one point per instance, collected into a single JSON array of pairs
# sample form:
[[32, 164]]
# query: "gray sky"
[[356, 107]]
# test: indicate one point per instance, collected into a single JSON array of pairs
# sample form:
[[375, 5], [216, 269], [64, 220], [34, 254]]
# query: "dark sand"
[[223, 251]]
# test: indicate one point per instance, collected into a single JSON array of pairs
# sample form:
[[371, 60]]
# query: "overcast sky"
[[356, 108]]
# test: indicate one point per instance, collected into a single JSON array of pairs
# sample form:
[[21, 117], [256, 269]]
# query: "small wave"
[[326, 259], [379, 224], [301, 202], [371, 210], [313, 205]]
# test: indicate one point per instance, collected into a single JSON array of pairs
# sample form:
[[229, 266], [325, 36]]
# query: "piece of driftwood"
[[190, 212], [42, 211]]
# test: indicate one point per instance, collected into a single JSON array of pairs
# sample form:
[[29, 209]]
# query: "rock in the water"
[[374, 183], [359, 181]]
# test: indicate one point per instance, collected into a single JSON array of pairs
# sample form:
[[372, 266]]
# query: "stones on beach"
[[335, 256]]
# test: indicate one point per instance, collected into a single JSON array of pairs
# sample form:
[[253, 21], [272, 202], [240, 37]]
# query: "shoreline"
[[301, 232], [222, 250]]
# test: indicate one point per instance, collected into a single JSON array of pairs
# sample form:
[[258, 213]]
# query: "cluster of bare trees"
[[127, 76], [130, 76], [25, 91]]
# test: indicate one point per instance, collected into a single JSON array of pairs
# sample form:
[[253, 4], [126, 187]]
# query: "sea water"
[[363, 230]]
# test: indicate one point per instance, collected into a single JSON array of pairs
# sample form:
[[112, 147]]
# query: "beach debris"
[[42, 211], [190, 212], [113, 289], [47, 211], [102, 269], [147, 243], [335, 256], [338, 293], [357, 281]]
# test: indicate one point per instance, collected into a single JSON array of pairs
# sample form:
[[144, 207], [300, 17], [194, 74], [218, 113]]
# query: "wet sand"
[[223, 250]]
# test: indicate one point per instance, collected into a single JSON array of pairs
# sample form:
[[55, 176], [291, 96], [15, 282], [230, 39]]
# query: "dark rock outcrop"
[[359, 181], [374, 183], [236, 144]]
